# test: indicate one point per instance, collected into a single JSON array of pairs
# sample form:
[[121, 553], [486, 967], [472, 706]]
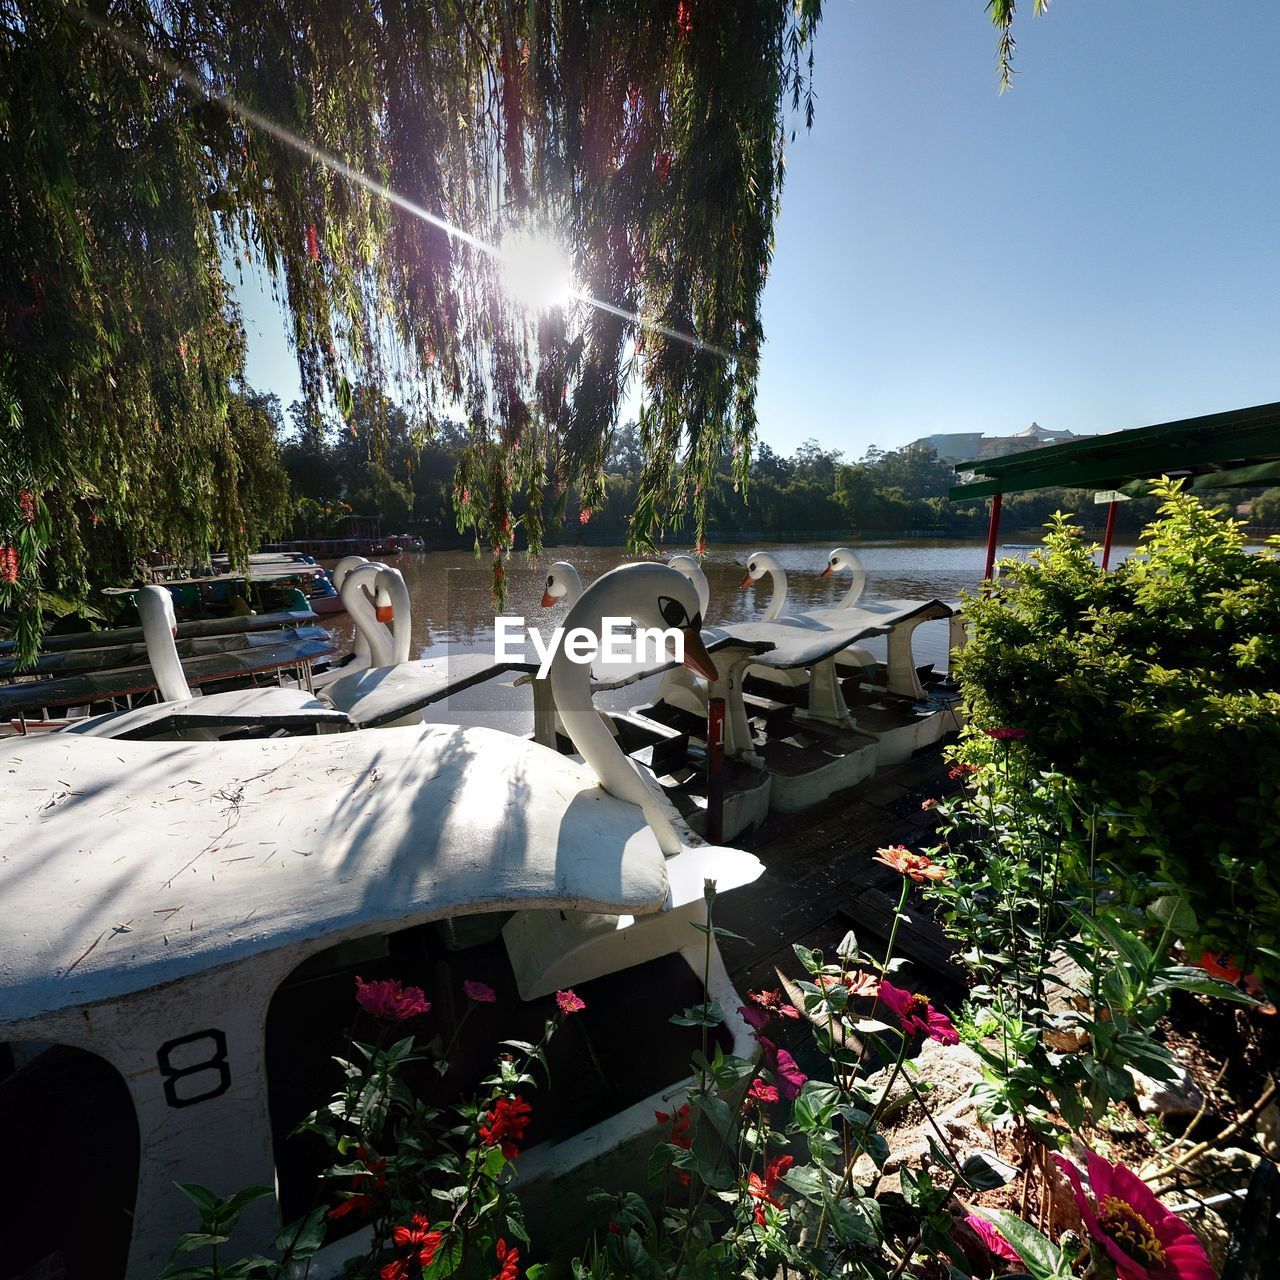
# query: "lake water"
[[453, 609]]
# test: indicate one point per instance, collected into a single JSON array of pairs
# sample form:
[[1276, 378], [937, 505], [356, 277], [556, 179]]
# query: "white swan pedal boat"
[[159, 896]]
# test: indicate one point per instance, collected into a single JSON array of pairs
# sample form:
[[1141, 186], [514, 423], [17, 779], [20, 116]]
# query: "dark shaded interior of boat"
[[68, 1181], [620, 1049]]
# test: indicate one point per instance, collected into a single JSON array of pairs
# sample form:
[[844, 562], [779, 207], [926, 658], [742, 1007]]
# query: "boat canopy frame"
[[1216, 451]]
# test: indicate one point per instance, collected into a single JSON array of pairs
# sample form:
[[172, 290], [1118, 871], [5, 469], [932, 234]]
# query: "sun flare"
[[536, 271]]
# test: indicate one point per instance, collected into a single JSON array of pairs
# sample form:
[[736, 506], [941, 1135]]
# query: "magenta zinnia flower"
[[569, 1003], [995, 1243], [1142, 1238], [1006, 734], [390, 1000], [479, 992], [786, 1072], [917, 1015]]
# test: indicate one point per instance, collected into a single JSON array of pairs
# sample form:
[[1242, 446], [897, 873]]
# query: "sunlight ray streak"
[[339, 166]]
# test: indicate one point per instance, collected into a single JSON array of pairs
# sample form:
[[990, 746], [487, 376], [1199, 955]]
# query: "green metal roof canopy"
[[1219, 450]]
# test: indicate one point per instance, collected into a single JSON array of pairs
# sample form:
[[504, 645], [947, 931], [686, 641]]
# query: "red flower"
[[1220, 965], [361, 1201], [961, 770], [916, 865], [584, 516], [917, 1015], [762, 1092], [397, 1270], [995, 1243], [27, 501], [506, 1125], [662, 167], [680, 1135], [1142, 1238], [390, 1000], [508, 1259], [479, 992], [568, 1002], [419, 1238], [774, 1002], [761, 1189], [9, 564], [790, 1079], [313, 243], [1006, 734], [684, 18], [701, 549]]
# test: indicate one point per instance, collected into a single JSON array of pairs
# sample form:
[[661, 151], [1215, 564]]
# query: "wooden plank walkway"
[[821, 879]]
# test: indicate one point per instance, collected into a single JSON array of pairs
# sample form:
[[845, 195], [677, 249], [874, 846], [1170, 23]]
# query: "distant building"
[[962, 446]]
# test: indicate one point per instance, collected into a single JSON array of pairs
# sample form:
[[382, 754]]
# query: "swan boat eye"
[[673, 612], [751, 568], [551, 580]]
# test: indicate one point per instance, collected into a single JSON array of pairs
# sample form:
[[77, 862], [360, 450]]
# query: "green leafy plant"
[[1155, 689]]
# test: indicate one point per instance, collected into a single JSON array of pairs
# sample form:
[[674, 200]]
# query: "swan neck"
[[779, 598], [571, 689], [162, 649]]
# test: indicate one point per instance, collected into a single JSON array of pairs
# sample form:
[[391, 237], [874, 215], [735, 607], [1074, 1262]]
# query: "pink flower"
[[930, 803], [569, 1003], [917, 1016], [762, 1092], [479, 992], [788, 1075], [1006, 734], [753, 1016], [995, 1243], [313, 243], [584, 516], [390, 1000], [1142, 1238]]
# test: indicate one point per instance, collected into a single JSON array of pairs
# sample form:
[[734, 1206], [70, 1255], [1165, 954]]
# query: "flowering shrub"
[[1156, 689]]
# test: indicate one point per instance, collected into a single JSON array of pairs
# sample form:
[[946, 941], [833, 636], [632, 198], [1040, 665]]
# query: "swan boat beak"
[[548, 600], [696, 657], [826, 573], [746, 580]]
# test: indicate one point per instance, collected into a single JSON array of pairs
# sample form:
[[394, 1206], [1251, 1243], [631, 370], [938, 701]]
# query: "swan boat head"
[[842, 560], [760, 563], [375, 595], [563, 583]]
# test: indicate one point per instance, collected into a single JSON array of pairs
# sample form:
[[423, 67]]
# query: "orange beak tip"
[[386, 613], [696, 657], [548, 600], [826, 573], [746, 580]]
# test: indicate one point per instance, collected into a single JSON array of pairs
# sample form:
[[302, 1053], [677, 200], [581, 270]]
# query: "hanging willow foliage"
[[646, 136]]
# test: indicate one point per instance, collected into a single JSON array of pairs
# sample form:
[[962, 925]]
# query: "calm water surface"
[[453, 610]]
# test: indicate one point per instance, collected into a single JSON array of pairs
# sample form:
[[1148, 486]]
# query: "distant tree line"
[[377, 464]]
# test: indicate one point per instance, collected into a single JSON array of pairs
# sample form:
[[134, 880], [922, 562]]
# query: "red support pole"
[[1106, 537], [993, 535], [715, 770]]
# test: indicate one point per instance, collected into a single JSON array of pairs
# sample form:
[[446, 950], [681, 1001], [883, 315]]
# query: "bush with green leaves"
[[1155, 688]]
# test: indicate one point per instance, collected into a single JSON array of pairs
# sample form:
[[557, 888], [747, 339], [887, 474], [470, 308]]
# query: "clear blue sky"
[[1097, 248]]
